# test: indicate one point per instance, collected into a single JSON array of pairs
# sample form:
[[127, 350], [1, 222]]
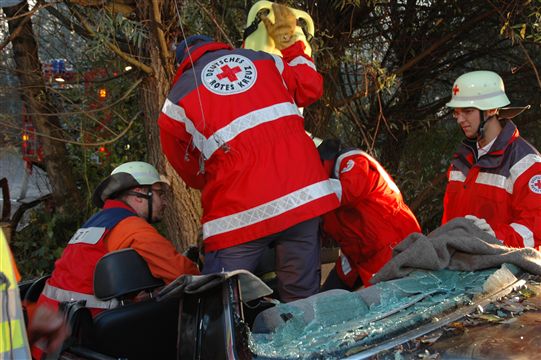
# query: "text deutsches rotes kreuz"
[[230, 74]]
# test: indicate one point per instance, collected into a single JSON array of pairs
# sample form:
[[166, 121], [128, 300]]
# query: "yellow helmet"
[[257, 38]]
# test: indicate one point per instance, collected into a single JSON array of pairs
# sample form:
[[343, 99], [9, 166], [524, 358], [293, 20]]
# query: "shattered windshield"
[[337, 323]]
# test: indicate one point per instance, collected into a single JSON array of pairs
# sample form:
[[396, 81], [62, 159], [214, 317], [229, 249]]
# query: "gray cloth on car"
[[457, 245], [251, 286]]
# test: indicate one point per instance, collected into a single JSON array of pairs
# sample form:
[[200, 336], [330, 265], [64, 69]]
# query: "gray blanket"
[[457, 245]]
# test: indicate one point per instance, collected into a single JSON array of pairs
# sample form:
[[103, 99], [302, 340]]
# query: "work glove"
[[481, 224], [195, 255], [192, 253], [283, 29]]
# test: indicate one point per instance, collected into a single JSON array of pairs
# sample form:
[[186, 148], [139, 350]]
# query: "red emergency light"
[[31, 146]]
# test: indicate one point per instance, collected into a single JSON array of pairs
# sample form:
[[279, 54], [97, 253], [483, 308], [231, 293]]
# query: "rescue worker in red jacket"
[[231, 127], [495, 176], [372, 217], [131, 198]]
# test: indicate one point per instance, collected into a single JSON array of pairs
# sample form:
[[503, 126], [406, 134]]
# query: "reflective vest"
[[13, 341], [73, 276]]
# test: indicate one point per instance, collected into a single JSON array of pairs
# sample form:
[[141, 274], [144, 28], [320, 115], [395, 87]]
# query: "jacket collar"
[[110, 203], [508, 134], [196, 52], [493, 158]]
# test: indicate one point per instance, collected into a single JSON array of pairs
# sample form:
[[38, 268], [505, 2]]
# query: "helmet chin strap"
[[149, 201], [481, 129], [482, 123], [147, 196]]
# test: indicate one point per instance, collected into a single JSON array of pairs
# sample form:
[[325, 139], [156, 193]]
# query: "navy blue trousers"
[[298, 266]]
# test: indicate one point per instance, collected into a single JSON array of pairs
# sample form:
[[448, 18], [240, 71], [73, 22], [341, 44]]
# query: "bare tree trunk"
[[182, 218], [36, 98]]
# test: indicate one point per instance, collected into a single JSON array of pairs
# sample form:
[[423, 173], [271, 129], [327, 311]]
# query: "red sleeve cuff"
[[294, 50]]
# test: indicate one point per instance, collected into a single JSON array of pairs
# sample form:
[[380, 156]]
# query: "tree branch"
[[19, 28], [156, 16], [105, 142], [214, 21], [464, 28], [147, 69], [108, 106]]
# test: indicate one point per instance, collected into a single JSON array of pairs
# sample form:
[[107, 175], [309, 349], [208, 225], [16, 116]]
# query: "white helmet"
[[483, 90], [124, 177]]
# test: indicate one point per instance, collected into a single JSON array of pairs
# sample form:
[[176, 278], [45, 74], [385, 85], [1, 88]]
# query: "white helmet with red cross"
[[483, 90]]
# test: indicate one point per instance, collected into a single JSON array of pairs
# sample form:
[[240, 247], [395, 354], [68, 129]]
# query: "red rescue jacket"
[[372, 217], [231, 127], [73, 275], [503, 187]]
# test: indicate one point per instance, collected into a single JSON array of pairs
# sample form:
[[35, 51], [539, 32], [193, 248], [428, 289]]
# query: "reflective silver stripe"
[[478, 97], [280, 66], [20, 353], [346, 267], [381, 170], [495, 180], [268, 210], [338, 161], [90, 235], [522, 165], [337, 188], [516, 171], [61, 295], [16, 345], [456, 175], [245, 122], [177, 113], [301, 60], [525, 233], [279, 63]]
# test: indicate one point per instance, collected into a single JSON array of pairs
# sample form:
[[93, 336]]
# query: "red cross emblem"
[[228, 73], [535, 184], [456, 90]]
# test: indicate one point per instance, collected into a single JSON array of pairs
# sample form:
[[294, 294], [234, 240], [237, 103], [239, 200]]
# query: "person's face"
[[158, 201], [140, 204], [468, 119]]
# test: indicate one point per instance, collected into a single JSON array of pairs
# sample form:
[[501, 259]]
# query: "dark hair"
[[192, 40], [329, 149]]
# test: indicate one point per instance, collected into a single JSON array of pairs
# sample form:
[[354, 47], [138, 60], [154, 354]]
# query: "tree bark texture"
[[183, 214], [42, 110]]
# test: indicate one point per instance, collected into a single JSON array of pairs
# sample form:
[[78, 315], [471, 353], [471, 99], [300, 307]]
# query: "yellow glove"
[[283, 29]]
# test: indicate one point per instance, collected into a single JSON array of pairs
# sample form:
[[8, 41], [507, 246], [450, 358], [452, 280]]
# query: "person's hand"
[[283, 29], [49, 325], [145, 295], [195, 254], [481, 224]]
